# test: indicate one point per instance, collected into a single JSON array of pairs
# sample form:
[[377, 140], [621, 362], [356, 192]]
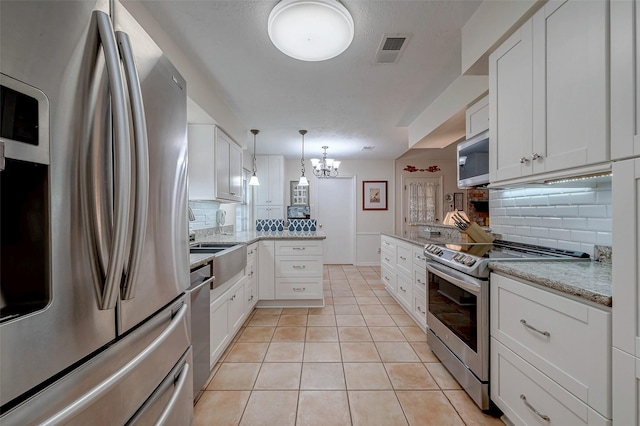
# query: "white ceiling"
[[347, 102]]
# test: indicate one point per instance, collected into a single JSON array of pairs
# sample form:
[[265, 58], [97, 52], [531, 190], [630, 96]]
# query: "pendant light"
[[254, 179], [303, 180]]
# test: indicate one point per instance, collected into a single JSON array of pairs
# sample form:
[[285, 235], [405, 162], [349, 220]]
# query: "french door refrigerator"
[[94, 324]]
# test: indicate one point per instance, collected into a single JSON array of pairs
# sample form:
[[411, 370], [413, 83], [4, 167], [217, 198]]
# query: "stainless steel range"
[[458, 305]]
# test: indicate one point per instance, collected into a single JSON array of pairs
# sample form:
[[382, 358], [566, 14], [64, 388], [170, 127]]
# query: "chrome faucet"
[[192, 216]]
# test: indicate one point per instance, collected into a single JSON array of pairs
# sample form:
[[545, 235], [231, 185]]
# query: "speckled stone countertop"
[[248, 237], [585, 279], [422, 241]]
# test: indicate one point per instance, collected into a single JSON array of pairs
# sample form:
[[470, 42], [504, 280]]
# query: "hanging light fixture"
[[254, 179], [303, 180], [327, 167], [311, 30]]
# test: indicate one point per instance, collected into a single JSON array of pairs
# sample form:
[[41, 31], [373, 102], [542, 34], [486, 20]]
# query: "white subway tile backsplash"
[[559, 199], [539, 232], [574, 223], [569, 245], [545, 211], [583, 236], [551, 222], [566, 211], [603, 238], [599, 224], [560, 234], [540, 200], [592, 211], [583, 198], [533, 221]]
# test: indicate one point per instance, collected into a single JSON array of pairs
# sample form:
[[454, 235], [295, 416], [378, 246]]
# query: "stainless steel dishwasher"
[[201, 280]]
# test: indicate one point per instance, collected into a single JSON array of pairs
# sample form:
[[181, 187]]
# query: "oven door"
[[458, 315]]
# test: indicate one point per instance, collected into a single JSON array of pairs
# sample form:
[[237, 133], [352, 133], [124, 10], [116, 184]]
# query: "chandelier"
[[327, 167]]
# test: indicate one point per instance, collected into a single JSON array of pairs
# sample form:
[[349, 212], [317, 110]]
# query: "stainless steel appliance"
[[94, 324], [458, 305], [473, 161]]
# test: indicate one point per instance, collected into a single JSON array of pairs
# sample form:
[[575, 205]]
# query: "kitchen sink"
[[228, 259]]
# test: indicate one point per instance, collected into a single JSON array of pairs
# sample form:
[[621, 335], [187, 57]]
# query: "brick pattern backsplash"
[[567, 218]]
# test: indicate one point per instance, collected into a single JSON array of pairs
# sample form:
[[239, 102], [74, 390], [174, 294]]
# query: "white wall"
[[574, 219], [369, 224]]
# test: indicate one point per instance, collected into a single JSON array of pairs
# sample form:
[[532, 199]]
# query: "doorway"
[[336, 209], [422, 199]]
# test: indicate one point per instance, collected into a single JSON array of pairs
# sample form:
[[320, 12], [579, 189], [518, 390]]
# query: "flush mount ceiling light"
[[311, 30]]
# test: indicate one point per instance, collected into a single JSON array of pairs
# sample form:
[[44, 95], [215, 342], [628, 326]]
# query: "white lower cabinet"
[[405, 291], [219, 328], [266, 267], [553, 350], [390, 279], [251, 283], [227, 312], [626, 392]]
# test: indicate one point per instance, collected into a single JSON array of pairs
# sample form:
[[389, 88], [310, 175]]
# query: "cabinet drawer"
[[300, 288], [420, 279], [390, 279], [389, 244], [404, 258], [520, 390], [419, 307], [419, 260], [405, 291], [299, 266], [252, 252], [388, 258], [304, 248], [567, 340]]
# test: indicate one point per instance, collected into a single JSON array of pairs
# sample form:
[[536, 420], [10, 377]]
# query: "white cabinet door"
[[270, 172], [228, 161], [235, 299], [219, 328], [625, 79], [626, 388], [510, 106], [201, 139], [405, 291], [266, 270], [626, 267], [478, 117], [269, 212], [570, 85]]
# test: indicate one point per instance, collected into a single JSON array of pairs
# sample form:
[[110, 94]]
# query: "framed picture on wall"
[[374, 195], [299, 194]]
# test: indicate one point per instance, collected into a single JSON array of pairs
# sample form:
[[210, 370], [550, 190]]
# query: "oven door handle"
[[469, 284]]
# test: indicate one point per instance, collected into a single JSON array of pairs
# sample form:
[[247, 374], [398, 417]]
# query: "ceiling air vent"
[[367, 148], [391, 48]]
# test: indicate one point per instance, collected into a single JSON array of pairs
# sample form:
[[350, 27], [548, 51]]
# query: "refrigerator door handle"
[[141, 181], [109, 383], [122, 163], [181, 380]]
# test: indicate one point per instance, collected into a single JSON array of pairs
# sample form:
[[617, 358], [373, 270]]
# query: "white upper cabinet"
[[270, 193], [215, 164], [478, 117], [549, 93], [625, 79]]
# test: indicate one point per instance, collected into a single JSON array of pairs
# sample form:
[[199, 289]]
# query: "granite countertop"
[[248, 237], [585, 279], [422, 241]]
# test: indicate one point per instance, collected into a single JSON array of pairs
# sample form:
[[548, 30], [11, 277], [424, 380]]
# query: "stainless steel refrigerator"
[[94, 324]]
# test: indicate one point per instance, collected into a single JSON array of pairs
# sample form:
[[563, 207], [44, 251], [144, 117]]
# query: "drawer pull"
[[233, 297], [419, 309], [403, 258], [530, 327], [299, 288], [250, 299], [402, 288], [420, 281], [387, 259], [299, 248], [387, 243], [299, 266], [530, 407]]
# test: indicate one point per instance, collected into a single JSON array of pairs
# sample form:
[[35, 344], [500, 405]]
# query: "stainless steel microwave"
[[473, 161]]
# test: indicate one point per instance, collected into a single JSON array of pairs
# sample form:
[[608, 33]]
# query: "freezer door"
[[69, 325], [151, 364], [163, 269]]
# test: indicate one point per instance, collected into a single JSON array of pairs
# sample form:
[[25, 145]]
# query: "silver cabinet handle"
[[419, 309], [141, 180], [403, 258], [530, 327], [386, 278], [299, 248], [535, 156], [299, 266], [387, 243], [232, 193], [387, 259], [402, 288], [122, 163], [530, 407], [250, 299], [524, 160], [299, 288], [181, 380], [419, 281]]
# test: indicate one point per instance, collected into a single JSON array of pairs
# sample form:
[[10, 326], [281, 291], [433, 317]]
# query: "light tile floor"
[[361, 360]]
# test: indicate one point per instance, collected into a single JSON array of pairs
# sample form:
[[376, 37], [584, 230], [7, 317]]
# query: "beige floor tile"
[[403, 320], [220, 407], [268, 408], [327, 310], [468, 410], [380, 408], [350, 321], [428, 408], [442, 376], [295, 311], [285, 352], [247, 352], [424, 352], [347, 310], [396, 352], [354, 334], [414, 334], [373, 310], [379, 321], [321, 320], [323, 408], [289, 334], [292, 321], [340, 286], [364, 292], [322, 376], [322, 352], [395, 309], [328, 301], [226, 352], [366, 376], [408, 375], [268, 311], [382, 293], [342, 293], [264, 320], [235, 376], [344, 300], [387, 334], [322, 334], [367, 300], [359, 352], [257, 334], [279, 376]]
